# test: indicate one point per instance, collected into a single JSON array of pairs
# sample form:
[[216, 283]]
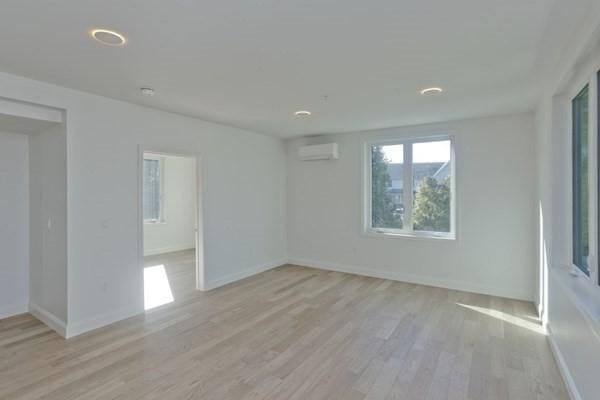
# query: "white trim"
[[539, 308], [99, 321], [215, 283], [413, 278], [169, 249], [78, 328], [593, 179], [394, 234], [584, 297], [199, 233], [406, 140], [10, 310], [111, 317], [577, 83], [49, 319], [160, 221], [407, 182], [25, 109], [562, 367]]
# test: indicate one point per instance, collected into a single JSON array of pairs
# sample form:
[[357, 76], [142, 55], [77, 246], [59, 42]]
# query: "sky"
[[422, 152]]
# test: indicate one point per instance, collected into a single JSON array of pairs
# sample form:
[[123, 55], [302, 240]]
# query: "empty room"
[[290, 200]]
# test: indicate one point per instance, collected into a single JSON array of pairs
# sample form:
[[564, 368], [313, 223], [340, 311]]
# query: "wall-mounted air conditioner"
[[328, 151]]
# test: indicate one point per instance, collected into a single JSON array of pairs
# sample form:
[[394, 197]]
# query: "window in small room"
[[410, 188], [152, 190], [580, 170]]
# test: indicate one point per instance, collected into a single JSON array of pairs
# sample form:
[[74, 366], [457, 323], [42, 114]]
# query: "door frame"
[[199, 240]]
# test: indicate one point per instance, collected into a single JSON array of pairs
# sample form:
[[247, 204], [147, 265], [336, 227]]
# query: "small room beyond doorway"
[[170, 228]]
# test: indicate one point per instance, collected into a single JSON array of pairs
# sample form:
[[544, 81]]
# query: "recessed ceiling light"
[[302, 113], [147, 91], [432, 90], [110, 38]]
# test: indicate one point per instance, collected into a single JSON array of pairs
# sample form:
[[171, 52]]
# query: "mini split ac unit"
[[328, 151]]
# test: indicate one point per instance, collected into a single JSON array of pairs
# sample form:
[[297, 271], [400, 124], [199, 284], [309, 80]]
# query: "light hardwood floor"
[[179, 267], [291, 333]]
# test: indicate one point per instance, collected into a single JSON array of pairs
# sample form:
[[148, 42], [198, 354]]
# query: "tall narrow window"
[[152, 190], [411, 188], [580, 140], [597, 120]]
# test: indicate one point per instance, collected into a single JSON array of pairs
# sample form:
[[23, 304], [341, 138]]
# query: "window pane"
[[432, 183], [581, 248], [151, 194], [387, 205]]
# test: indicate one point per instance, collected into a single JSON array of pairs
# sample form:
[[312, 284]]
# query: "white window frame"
[[583, 290], [575, 89], [406, 142], [161, 197]]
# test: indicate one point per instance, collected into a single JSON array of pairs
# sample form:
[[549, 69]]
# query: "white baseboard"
[[215, 283], [539, 309], [89, 324], [563, 368], [49, 319], [78, 328], [412, 278], [169, 249], [10, 310]]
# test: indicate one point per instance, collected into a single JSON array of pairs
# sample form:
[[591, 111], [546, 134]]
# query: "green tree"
[[431, 210], [383, 213]]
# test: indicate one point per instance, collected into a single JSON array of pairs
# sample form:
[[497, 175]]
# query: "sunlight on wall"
[[543, 271], [511, 319], [157, 290]]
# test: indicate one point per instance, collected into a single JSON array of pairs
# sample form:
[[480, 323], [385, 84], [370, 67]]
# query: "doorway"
[[170, 221], [33, 210]]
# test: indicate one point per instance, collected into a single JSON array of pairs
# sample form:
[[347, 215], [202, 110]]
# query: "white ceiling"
[[355, 64]]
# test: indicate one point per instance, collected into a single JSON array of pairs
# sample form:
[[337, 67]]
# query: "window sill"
[[584, 294], [155, 222], [409, 235]]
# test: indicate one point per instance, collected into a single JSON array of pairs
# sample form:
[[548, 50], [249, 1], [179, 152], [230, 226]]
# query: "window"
[[580, 179], [597, 117], [410, 188], [152, 190]]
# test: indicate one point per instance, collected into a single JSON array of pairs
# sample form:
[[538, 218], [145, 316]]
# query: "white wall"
[[177, 229], [48, 226], [494, 251], [14, 228], [569, 309], [241, 235]]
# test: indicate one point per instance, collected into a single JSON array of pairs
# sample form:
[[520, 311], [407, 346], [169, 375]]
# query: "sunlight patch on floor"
[[511, 319], [157, 289]]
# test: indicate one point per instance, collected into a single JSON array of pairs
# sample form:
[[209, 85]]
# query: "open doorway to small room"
[[170, 227]]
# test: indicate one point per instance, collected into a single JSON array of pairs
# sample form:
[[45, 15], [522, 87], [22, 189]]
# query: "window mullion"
[[407, 191]]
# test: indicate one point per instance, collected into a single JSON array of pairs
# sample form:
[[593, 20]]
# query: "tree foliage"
[[383, 214], [431, 210]]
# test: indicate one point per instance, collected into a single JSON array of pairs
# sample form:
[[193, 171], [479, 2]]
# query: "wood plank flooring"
[[291, 333], [179, 267]]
